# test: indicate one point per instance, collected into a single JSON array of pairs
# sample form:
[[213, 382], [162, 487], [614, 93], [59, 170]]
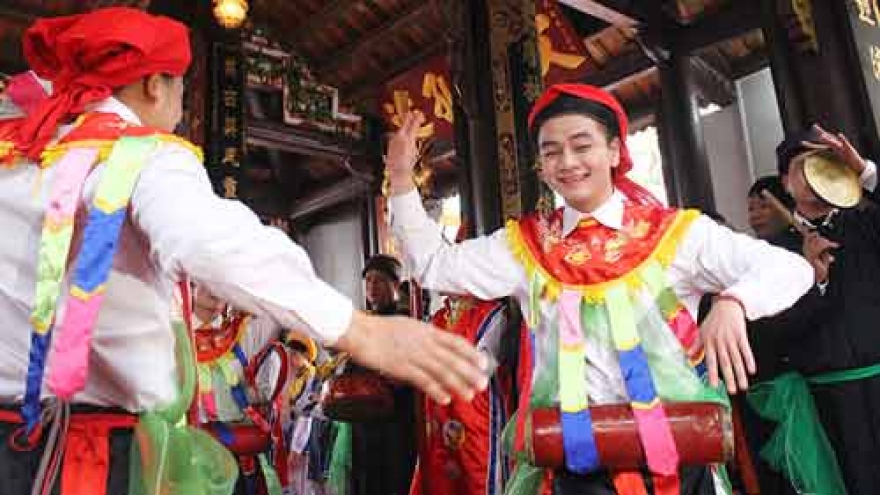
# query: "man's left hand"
[[728, 353]]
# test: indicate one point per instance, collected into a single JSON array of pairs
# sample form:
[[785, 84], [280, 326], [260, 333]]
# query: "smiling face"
[[577, 159]]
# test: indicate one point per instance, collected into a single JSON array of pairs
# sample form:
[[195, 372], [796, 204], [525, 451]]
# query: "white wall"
[[741, 144], [760, 120], [337, 252], [729, 164]]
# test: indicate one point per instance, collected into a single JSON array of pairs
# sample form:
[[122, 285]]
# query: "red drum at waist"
[[703, 434]]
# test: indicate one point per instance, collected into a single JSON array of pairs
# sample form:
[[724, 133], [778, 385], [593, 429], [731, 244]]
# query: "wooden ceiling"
[[357, 44]]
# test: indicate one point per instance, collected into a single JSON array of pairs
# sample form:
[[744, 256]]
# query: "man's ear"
[[152, 87], [614, 146]]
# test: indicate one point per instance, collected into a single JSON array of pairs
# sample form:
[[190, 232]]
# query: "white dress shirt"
[[176, 226], [709, 259]]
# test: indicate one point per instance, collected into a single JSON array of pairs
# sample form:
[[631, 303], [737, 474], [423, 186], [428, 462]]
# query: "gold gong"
[[832, 180]]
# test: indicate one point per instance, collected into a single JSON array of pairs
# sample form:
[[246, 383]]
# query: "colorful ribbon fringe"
[[611, 304]]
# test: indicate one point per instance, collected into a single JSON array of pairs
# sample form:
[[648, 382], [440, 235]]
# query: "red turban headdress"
[[87, 56], [591, 93]]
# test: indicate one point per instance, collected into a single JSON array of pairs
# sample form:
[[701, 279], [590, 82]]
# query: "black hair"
[[792, 146], [383, 264], [773, 184], [572, 105]]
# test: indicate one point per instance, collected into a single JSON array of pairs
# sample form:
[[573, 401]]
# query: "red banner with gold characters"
[[427, 89], [562, 52]]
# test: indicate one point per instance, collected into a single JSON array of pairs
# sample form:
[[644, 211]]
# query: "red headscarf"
[[591, 93], [87, 56]]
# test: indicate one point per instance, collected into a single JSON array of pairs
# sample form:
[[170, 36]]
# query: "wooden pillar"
[[816, 67], [670, 175], [788, 95], [474, 117], [682, 135], [516, 82], [495, 64]]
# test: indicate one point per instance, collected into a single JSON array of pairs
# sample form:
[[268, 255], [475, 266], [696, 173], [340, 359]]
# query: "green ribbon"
[[799, 447], [340, 459], [270, 477], [172, 457], [845, 375]]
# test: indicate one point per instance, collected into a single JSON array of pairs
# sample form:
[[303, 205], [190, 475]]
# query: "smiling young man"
[[609, 284]]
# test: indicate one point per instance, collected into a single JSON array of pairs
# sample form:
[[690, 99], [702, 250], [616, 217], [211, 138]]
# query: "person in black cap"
[[381, 276], [384, 451], [831, 334], [771, 225]]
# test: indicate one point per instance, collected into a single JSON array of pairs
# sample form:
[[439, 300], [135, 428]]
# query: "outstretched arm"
[[483, 267], [754, 279], [221, 244]]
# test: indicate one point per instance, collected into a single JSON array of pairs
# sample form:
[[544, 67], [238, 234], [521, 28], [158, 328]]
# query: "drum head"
[[832, 180]]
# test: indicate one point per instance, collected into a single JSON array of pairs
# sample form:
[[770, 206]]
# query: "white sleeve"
[[221, 244], [868, 179], [483, 267], [765, 278]]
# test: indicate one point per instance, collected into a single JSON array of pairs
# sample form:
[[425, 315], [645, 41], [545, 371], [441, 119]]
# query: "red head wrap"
[[87, 56], [584, 91]]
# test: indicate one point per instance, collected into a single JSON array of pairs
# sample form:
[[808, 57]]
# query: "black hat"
[[792, 146], [385, 264]]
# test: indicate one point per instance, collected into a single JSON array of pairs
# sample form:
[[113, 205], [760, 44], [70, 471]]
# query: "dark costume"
[[832, 332], [383, 453]]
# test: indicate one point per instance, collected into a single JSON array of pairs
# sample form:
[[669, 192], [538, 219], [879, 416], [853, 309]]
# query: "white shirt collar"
[[609, 214], [112, 105]]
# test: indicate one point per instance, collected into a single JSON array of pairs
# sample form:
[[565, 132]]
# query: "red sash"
[[86, 456]]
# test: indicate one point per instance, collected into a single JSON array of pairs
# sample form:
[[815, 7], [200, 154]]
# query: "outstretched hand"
[[728, 353], [840, 146], [403, 153], [438, 363]]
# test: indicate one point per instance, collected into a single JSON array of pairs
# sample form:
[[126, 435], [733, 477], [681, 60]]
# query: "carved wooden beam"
[[749, 64], [735, 20], [630, 65], [339, 192], [287, 139], [614, 12], [715, 86]]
